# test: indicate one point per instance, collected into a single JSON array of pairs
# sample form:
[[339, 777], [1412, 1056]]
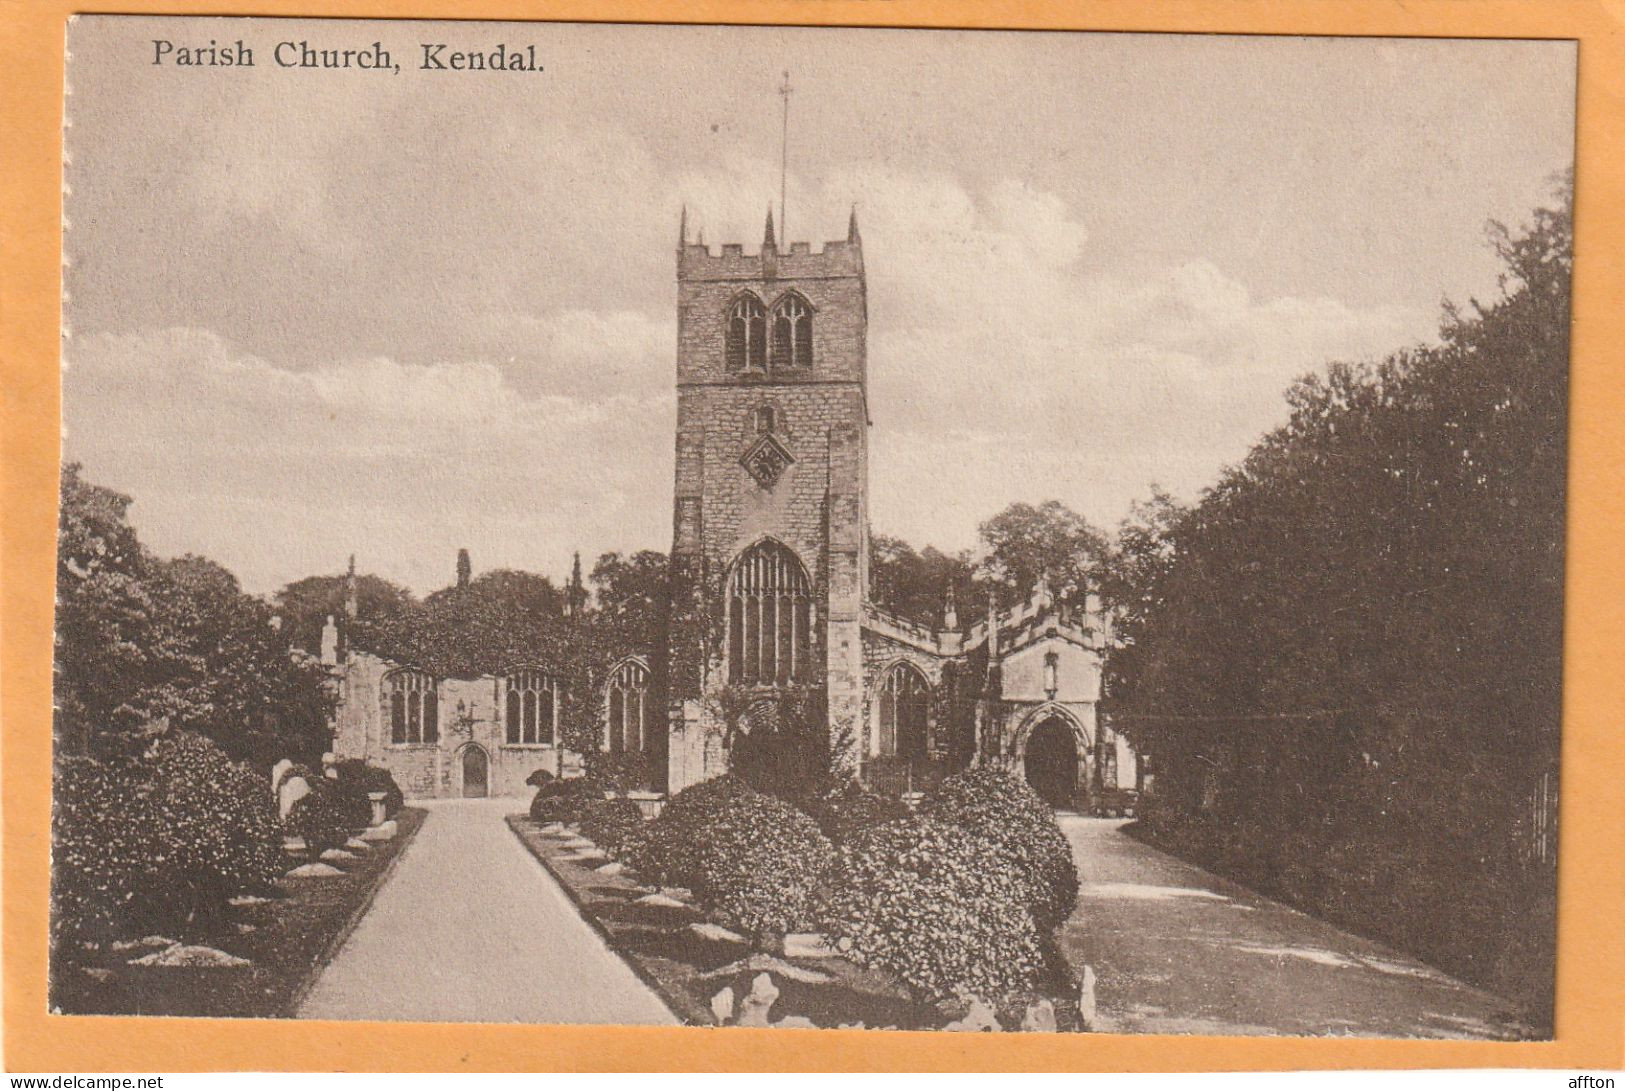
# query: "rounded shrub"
[[357, 781], [754, 861], [614, 825], [998, 807], [849, 809], [564, 800], [159, 842], [323, 818], [927, 901]]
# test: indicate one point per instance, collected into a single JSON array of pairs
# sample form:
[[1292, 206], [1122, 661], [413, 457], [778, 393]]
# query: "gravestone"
[[293, 789], [278, 771]]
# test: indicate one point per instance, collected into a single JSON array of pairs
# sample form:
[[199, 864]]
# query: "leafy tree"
[[631, 596], [305, 605], [1345, 659], [146, 645], [914, 585], [1027, 543]]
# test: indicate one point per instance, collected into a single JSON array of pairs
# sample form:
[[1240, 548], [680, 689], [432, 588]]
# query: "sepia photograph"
[[811, 528]]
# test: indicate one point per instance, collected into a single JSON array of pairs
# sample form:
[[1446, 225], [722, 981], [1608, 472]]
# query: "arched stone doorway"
[[1051, 762], [476, 773]]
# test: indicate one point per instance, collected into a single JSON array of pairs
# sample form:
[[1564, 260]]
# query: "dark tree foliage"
[[146, 645], [1049, 541], [1345, 661], [630, 593], [305, 605], [1021, 545], [914, 585], [505, 618]]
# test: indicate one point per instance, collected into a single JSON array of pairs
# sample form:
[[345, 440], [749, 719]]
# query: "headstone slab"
[[293, 789], [278, 771]]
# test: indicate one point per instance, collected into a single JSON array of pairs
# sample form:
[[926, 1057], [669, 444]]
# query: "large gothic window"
[[792, 333], [414, 708], [747, 334], [769, 618], [905, 702], [532, 710], [626, 706]]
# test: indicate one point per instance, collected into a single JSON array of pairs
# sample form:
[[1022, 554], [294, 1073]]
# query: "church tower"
[[769, 559]]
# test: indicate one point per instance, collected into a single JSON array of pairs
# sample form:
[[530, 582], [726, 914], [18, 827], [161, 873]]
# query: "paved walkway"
[[1178, 950], [470, 928]]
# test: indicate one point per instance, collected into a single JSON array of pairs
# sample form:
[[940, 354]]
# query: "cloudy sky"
[[314, 313]]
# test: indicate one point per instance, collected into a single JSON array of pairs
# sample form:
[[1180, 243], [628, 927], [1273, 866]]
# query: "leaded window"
[[626, 703], [905, 704], [414, 708], [532, 707], [747, 334], [769, 618], [792, 333]]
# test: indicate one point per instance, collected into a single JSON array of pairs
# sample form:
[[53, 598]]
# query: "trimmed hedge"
[[324, 817], [564, 800], [157, 843], [614, 825], [754, 861], [928, 901], [357, 780], [850, 809], [994, 805]]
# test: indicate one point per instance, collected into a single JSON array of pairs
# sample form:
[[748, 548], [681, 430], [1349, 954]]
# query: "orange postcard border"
[[1591, 965]]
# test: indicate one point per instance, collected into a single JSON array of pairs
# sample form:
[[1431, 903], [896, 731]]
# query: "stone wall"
[[470, 715]]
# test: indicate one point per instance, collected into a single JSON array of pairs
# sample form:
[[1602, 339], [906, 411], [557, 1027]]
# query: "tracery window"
[[626, 703], [414, 708], [905, 702], [532, 707], [769, 618], [792, 333], [747, 334]]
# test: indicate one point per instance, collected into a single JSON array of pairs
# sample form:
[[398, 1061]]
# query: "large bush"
[[157, 843], [614, 825], [564, 800], [994, 805], [624, 771], [930, 902], [357, 781], [849, 809], [755, 861], [324, 817]]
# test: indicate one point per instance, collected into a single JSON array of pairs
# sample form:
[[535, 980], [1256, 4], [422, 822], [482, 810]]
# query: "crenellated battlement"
[[838, 258], [799, 261]]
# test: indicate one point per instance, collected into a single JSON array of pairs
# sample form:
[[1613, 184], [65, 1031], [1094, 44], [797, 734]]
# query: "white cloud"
[[281, 473]]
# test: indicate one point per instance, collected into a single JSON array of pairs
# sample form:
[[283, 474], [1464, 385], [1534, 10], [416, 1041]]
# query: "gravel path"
[[470, 928], [1178, 950]]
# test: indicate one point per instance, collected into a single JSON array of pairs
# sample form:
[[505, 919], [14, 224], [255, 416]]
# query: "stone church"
[[770, 554], [769, 580]]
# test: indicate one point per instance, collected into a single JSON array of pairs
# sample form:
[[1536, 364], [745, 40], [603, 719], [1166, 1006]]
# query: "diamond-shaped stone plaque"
[[766, 460]]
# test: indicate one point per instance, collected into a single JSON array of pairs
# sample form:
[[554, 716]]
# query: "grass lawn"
[[288, 939]]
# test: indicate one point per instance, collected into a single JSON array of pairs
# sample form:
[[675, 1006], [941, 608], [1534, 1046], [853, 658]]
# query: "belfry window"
[[905, 702], [532, 711], [414, 708], [747, 334], [769, 618], [626, 706], [792, 333]]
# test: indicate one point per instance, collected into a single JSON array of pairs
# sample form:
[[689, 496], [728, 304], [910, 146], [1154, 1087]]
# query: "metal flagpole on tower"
[[784, 155]]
